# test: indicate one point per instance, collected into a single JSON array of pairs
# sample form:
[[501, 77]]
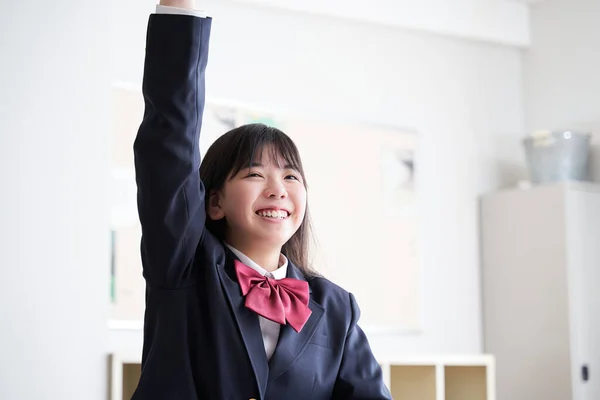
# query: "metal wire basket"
[[554, 156]]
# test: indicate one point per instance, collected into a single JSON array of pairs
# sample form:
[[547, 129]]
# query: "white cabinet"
[[541, 290]]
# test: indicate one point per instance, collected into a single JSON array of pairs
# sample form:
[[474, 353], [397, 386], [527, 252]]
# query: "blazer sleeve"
[[166, 149], [360, 376]]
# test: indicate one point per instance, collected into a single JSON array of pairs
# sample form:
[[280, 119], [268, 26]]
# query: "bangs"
[[258, 139]]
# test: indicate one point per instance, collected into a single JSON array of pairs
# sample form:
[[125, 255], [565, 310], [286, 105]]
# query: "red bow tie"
[[281, 301]]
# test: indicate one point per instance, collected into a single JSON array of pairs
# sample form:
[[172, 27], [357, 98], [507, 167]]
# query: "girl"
[[232, 310]]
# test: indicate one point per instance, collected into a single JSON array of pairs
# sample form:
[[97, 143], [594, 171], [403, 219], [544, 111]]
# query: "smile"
[[273, 214]]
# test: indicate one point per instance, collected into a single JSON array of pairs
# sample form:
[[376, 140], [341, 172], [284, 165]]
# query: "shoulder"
[[336, 300], [322, 286]]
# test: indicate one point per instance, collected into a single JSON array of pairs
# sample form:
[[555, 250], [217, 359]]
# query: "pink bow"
[[281, 301]]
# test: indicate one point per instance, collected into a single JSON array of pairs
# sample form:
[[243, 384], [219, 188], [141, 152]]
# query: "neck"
[[267, 257]]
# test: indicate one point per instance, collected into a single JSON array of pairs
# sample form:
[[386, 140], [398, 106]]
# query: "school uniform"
[[201, 341]]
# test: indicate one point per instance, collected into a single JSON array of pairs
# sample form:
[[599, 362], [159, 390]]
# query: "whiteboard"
[[362, 197]]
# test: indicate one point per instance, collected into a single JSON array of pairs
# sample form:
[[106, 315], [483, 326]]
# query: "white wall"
[[464, 98], [54, 231], [562, 82], [497, 21]]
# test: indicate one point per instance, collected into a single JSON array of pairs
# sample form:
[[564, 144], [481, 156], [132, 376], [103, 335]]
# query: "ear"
[[215, 212]]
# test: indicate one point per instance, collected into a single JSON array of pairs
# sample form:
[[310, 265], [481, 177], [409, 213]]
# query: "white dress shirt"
[[270, 330], [176, 10]]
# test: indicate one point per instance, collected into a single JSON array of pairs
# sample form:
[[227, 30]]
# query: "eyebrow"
[[255, 164]]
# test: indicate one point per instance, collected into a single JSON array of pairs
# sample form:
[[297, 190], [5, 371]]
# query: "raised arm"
[[166, 149]]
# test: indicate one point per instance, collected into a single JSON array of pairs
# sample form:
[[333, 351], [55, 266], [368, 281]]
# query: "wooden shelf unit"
[[125, 370], [460, 377], [441, 377]]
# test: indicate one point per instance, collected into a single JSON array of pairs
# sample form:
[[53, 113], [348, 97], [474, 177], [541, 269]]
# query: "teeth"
[[280, 214]]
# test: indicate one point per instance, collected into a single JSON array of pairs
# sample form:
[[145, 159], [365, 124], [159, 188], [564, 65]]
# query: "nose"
[[276, 190]]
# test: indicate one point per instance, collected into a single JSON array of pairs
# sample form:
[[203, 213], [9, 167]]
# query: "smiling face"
[[255, 195], [264, 204]]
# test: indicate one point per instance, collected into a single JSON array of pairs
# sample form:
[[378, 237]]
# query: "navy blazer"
[[200, 341]]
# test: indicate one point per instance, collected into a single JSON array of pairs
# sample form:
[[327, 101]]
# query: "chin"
[[272, 234], [274, 239], [278, 241]]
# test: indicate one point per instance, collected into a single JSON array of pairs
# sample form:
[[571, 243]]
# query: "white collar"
[[279, 273]]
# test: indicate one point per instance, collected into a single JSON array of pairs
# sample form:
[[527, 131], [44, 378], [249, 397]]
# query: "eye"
[[253, 175], [294, 177]]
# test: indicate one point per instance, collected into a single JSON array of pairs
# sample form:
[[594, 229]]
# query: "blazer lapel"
[[247, 322], [291, 344]]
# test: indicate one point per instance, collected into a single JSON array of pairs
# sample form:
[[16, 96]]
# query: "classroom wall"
[[497, 21], [54, 227], [562, 86], [464, 99]]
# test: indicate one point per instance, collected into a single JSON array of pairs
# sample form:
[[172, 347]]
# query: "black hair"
[[240, 148]]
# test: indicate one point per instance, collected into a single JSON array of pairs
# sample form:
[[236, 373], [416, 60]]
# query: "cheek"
[[300, 202], [234, 203]]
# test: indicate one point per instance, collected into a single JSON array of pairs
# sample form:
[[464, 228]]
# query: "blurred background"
[[456, 140]]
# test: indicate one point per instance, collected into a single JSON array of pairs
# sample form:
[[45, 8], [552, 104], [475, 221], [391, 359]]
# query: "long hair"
[[237, 149]]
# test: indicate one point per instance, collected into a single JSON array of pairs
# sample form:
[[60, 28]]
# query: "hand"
[[189, 4]]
